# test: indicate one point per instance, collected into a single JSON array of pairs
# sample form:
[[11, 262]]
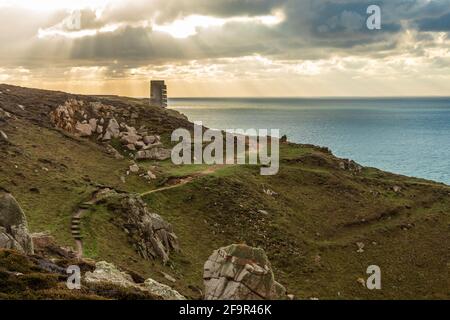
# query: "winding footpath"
[[84, 207]]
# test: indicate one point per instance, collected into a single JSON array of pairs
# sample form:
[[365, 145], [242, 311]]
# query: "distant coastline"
[[409, 136]]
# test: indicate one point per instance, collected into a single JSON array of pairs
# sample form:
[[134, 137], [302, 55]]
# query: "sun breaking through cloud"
[[227, 47]]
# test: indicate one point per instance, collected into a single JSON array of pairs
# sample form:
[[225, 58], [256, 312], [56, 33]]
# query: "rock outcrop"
[[149, 233], [240, 272], [153, 236], [162, 290], [103, 125], [350, 165], [13, 226], [154, 154], [108, 273]]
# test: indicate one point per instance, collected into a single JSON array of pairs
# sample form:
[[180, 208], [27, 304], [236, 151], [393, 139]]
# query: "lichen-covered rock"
[[108, 273], [83, 129], [148, 232], [113, 129], [13, 226], [160, 154], [240, 272], [8, 242], [64, 116], [162, 290], [153, 236]]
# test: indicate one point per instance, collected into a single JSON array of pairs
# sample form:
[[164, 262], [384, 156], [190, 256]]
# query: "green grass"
[[309, 233], [318, 212]]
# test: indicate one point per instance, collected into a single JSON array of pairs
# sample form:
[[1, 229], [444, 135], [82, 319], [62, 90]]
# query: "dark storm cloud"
[[441, 23], [169, 10], [312, 29]]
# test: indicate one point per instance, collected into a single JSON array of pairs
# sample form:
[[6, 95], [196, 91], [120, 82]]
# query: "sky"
[[227, 48]]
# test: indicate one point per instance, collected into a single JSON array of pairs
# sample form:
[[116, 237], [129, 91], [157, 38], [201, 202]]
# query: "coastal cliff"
[[95, 169]]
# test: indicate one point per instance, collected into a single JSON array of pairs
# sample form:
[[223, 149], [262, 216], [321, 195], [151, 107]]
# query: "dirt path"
[[84, 207], [182, 181], [75, 226]]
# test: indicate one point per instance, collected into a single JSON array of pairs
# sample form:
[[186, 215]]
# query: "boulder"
[[154, 154], [162, 290], [107, 136], [83, 129], [130, 147], [150, 139], [13, 225], [240, 272], [151, 146], [64, 115], [140, 145], [134, 168], [93, 124], [113, 129], [151, 175], [8, 242], [350, 165], [129, 138], [131, 130], [108, 273]]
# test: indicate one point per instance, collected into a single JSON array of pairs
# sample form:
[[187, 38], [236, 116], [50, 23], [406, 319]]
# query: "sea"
[[409, 136]]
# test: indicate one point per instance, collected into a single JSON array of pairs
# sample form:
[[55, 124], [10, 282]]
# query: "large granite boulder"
[[240, 272], [108, 273], [113, 129], [13, 226], [83, 129]]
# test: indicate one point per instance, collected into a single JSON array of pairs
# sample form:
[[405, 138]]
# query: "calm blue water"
[[406, 136]]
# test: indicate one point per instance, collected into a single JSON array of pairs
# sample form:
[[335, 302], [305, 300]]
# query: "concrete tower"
[[158, 93]]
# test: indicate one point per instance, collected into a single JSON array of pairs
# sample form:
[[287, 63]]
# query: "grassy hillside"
[[309, 218]]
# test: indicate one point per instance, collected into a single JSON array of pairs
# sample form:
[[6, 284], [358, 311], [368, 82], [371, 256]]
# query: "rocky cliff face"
[[13, 226], [148, 232]]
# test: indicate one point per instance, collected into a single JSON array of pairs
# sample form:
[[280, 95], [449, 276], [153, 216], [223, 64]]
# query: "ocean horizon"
[[403, 135]]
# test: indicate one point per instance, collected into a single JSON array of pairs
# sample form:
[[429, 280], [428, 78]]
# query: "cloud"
[[441, 23], [251, 39]]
